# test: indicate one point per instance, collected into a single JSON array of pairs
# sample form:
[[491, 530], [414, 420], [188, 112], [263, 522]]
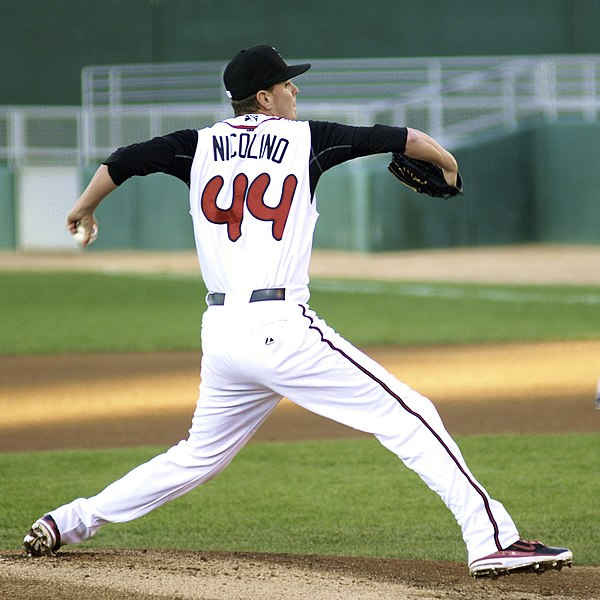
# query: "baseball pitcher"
[[252, 185]]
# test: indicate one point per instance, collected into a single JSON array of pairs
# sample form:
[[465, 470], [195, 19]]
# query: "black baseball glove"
[[423, 177]]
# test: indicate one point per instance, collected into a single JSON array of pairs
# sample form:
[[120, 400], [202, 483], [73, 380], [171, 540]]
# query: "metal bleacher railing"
[[453, 99]]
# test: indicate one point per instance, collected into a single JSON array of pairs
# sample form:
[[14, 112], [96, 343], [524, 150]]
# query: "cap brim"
[[295, 70], [291, 72]]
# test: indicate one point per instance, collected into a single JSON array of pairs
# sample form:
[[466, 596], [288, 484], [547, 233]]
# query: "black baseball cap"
[[255, 69]]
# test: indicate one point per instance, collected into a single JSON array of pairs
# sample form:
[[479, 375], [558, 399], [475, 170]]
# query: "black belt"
[[218, 298]]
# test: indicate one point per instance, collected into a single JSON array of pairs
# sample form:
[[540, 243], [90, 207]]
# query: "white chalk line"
[[424, 290]]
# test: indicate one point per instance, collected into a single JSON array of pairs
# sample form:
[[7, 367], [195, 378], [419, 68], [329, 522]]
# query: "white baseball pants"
[[255, 354]]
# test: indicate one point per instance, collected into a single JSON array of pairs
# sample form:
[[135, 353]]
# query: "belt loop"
[[268, 294], [215, 299]]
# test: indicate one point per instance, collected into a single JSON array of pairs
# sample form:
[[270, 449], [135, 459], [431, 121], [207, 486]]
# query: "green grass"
[[45, 313], [437, 313], [345, 497], [68, 313]]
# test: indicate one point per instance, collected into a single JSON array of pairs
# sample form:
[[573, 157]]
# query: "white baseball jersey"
[[251, 206]]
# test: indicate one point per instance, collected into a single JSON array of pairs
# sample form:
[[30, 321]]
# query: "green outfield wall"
[[537, 185], [540, 184], [7, 210], [46, 44], [146, 213], [566, 183]]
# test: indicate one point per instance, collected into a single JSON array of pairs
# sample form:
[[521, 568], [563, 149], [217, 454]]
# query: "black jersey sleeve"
[[171, 154], [334, 143]]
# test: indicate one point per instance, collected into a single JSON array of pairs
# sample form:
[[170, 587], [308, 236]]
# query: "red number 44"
[[253, 195]]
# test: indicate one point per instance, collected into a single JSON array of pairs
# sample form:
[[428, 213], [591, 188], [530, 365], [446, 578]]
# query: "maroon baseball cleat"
[[521, 557], [43, 538]]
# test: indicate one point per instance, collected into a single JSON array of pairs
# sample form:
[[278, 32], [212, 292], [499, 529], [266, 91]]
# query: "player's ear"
[[263, 98]]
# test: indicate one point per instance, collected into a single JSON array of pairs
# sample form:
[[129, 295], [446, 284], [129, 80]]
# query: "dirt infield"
[[131, 399], [153, 575], [120, 400], [502, 264]]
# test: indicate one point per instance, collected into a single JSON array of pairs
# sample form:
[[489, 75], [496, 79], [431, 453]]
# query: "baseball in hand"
[[78, 235]]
